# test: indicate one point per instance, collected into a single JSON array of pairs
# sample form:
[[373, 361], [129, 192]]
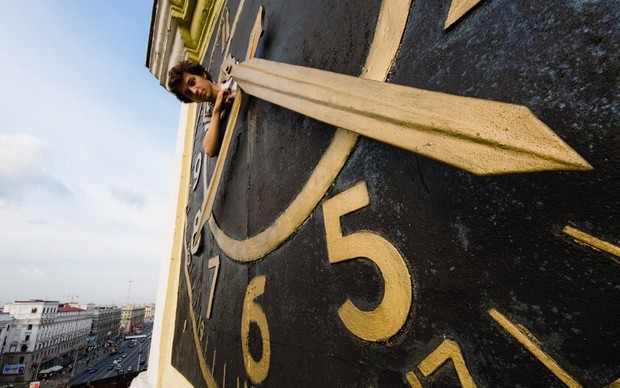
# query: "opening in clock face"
[[278, 147], [458, 133], [283, 167]]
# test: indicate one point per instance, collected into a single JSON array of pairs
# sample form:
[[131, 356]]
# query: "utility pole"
[[74, 362], [129, 291], [139, 354], [36, 374]]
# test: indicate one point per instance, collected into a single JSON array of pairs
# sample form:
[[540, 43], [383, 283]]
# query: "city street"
[[128, 359]]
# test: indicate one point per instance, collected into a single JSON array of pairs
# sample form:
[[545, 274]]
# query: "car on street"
[[110, 367], [130, 368], [92, 370], [124, 355]]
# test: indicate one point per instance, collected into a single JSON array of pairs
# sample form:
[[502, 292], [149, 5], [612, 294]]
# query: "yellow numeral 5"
[[391, 314]]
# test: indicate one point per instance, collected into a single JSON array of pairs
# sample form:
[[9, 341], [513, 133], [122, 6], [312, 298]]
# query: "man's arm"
[[211, 143]]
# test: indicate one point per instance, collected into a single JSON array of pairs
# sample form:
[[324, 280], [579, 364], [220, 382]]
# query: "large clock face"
[[336, 260]]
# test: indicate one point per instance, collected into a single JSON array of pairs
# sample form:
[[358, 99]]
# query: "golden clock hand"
[[207, 206], [481, 136], [458, 8]]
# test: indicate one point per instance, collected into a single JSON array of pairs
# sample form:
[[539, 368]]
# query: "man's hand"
[[211, 140], [230, 98], [223, 99]]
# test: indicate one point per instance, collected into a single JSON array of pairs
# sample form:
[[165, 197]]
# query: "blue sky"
[[87, 141]]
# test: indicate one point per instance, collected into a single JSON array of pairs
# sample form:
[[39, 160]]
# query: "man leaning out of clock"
[[190, 82]]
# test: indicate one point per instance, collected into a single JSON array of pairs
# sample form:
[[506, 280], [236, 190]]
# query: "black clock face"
[[333, 260]]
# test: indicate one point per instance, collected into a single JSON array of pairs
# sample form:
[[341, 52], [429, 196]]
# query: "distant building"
[[5, 323], [43, 334], [106, 325], [132, 317], [149, 312]]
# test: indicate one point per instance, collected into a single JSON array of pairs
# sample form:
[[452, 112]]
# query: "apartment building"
[[149, 312], [42, 334], [106, 325], [131, 318], [5, 323]]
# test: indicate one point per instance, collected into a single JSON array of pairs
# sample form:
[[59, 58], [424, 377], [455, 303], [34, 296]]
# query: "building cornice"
[[180, 30]]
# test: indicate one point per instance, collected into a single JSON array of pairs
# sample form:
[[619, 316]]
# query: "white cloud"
[[129, 194], [23, 161]]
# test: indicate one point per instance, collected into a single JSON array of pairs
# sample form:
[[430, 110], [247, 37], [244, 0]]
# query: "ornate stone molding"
[[180, 29], [165, 45], [196, 20]]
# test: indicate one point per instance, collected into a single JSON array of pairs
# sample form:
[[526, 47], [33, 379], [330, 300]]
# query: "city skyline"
[[87, 143]]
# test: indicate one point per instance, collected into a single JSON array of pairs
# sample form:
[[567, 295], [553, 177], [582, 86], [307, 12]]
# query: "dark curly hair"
[[175, 77]]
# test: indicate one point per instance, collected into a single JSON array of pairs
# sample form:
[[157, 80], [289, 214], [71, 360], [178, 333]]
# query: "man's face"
[[197, 88]]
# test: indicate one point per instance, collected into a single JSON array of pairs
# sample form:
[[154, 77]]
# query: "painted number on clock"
[[196, 171], [214, 262], [447, 350], [387, 318], [252, 312]]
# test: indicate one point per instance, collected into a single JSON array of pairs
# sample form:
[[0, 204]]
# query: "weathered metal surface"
[[501, 292]]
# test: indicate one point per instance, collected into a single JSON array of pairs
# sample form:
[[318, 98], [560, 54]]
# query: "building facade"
[[43, 334], [105, 326], [22, 356], [132, 317], [5, 323], [149, 312]]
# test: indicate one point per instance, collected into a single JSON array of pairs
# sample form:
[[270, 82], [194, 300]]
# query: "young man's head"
[[190, 82]]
